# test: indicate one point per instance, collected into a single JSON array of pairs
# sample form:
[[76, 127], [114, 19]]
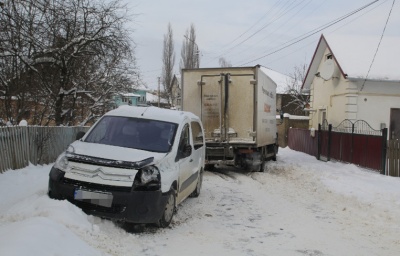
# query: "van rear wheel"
[[169, 210]]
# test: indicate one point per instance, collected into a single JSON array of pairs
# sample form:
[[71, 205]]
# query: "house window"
[[321, 116]]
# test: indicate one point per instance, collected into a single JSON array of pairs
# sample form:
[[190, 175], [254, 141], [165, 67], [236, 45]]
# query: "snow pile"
[[297, 206]]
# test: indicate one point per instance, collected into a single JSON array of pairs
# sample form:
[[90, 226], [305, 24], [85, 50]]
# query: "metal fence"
[[21, 145], [353, 142], [302, 140], [350, 142]]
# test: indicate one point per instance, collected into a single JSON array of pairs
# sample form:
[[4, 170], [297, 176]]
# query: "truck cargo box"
[[237, 106]]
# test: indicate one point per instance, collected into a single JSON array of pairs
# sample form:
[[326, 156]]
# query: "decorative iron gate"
[[356, 143]]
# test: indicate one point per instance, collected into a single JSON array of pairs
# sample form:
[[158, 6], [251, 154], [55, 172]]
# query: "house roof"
[[282, 81], [354, 55], [130, 95], [154, 98]]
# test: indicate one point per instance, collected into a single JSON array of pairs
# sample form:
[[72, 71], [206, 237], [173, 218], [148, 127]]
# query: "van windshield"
[[137, 133]]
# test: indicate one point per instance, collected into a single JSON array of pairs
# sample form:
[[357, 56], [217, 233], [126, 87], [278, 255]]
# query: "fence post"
[[383, 150], [319, 141], [329, 141], [352, 142]]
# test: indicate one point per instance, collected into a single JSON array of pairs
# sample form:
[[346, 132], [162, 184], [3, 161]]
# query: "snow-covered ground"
[[298, 206]]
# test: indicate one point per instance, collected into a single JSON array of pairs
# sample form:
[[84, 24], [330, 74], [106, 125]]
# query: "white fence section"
[[21, 145]]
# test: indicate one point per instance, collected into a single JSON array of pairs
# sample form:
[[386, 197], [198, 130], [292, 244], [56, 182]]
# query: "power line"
[[268, 35], [277, 17], [252, 26], [312, 32], [377, 48]]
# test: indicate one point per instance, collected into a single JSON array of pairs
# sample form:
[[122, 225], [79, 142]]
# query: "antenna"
[[145, 111]]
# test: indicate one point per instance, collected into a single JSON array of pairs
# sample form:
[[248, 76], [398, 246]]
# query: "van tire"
[[169, 210]]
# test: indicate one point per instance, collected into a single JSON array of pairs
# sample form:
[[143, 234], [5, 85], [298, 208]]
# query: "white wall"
[[353, 99]]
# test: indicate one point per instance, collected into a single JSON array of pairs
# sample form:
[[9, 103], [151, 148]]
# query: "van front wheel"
[[169, 210]]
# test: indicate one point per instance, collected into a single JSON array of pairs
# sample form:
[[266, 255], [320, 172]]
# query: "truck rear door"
[[228, 107]]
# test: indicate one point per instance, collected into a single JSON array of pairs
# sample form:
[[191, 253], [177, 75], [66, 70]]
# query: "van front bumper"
[[125, 205]]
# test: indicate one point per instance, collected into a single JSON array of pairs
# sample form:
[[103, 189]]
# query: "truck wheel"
[[169, 210], [196, 192], [276, 148], [209, 167], [262, 164]]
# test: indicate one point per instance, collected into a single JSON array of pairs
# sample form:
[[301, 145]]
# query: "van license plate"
[[98, 198]]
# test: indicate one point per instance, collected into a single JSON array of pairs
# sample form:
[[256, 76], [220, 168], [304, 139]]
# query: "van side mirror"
[[79, 135]]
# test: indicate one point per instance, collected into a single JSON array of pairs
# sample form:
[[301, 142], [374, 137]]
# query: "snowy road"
[[298, 206]]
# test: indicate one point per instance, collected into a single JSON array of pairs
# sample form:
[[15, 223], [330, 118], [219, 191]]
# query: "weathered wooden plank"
[[20, 146]]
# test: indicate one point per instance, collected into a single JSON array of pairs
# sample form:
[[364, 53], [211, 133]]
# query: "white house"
[[355, 78]]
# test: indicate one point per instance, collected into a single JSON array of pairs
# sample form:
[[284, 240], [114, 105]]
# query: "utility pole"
[[158, 91]]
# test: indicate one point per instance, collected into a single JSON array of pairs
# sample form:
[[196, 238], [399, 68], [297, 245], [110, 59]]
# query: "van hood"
[[105, 153]]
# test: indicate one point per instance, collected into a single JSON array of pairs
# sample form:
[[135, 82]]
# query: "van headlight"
[[62, 163], [148, 178], [149, 174]]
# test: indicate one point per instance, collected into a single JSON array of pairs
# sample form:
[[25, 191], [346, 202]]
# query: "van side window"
[[197, 135], [184, 140]]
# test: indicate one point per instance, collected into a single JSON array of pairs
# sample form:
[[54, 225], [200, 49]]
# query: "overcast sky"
[[251, 32]]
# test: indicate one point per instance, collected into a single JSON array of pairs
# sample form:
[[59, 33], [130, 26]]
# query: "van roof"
[[152, 112]]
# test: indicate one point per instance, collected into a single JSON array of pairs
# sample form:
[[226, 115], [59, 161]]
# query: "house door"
[[321, 116], [394, 132]]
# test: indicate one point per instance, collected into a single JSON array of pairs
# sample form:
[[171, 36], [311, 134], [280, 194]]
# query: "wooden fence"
[[21, 145], [393, 158]]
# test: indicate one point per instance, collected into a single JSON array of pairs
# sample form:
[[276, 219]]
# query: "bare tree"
[[168, 60], [190, 53], [298, 99], [61, 51], [224, 63]]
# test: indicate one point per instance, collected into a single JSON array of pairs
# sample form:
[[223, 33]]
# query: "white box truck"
[[237, 106]]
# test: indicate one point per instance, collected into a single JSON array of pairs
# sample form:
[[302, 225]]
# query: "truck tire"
[[209, 167], [276, 148]]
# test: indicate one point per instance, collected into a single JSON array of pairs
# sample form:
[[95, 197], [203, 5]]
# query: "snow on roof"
[[151, 112], [355, 53], [282, 81], [154, 98], [131, 95]]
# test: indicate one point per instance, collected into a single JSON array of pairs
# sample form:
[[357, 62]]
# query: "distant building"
[[344, 83], [136, 98], [156, 100], [286, 102]]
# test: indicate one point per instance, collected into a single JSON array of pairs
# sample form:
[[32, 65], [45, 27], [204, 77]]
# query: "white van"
[[136, 164]]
